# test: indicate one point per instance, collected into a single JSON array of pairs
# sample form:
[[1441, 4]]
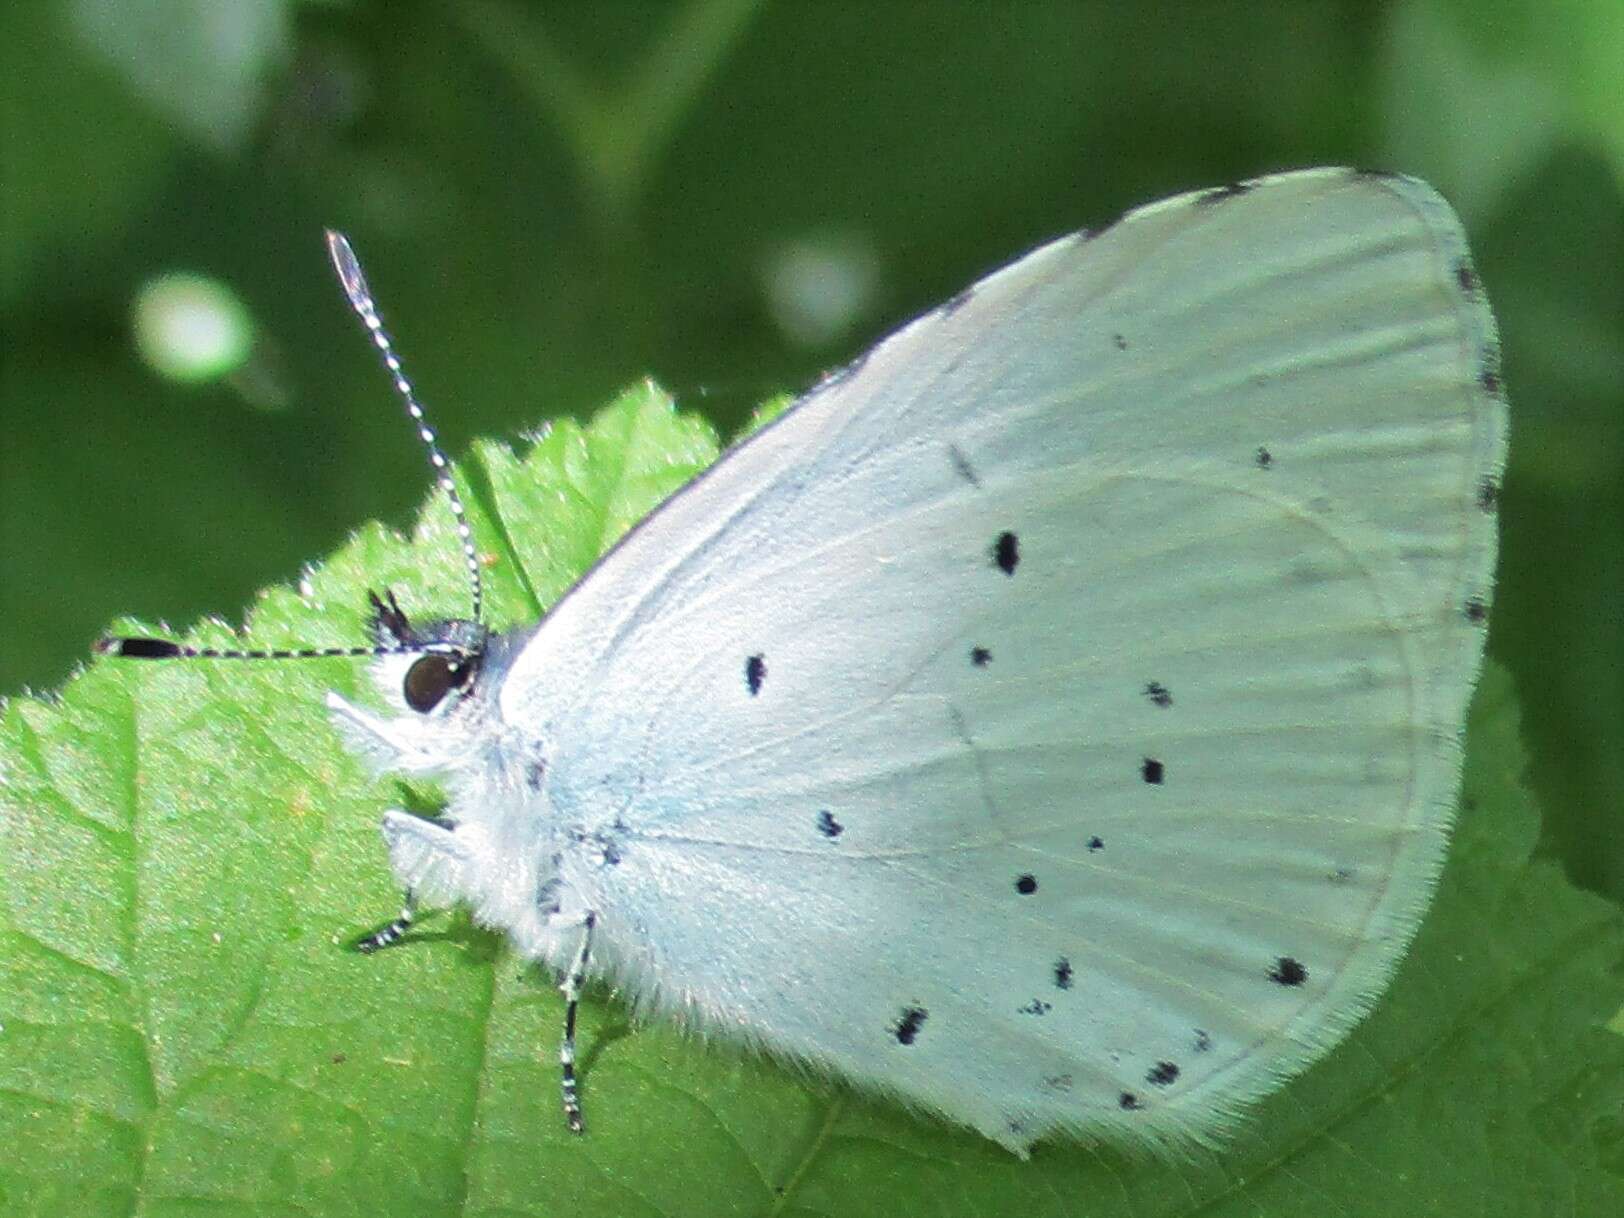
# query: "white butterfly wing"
[[1054, 721]]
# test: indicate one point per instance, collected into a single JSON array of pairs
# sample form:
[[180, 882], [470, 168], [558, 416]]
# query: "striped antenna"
[[360, 296], [163, 649], [462, 640]]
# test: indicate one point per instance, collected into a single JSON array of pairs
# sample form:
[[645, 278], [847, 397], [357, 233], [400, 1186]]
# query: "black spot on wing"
[[1162, 1074], [1036, 1007], [1466, 277], [907, 1027], [980, 657], [1062, 974], [1026, 884], [962, 465], [1222, 194], [755, 672], [829, 826], [1203, 1040], [1264, 458], [1006, 552], [1153, 771], [1129, 1102], [1476, 610], [1158, 694], [1489, 379], [1096, 844], [1288, 971], [1488, 494], [1121, 343]]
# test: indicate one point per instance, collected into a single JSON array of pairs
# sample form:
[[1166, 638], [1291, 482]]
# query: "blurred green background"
[[732, 196]]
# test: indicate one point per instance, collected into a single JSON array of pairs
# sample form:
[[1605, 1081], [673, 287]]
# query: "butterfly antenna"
[[137, 648], [360, 297]]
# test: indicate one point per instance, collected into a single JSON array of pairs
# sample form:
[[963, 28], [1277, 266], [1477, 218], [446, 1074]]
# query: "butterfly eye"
[[431, 678]]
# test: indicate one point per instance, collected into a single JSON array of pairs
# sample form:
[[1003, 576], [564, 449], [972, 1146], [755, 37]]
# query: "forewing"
[[1055, 720]]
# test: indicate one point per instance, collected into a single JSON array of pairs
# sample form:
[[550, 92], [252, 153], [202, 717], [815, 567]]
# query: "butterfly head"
[[427, 670], [428, 674], [428, 679]]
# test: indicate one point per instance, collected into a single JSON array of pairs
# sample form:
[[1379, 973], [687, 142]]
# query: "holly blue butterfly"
[[1052, 721]]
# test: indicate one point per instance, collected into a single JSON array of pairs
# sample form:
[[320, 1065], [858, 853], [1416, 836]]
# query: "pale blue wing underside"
[[1039, 830]]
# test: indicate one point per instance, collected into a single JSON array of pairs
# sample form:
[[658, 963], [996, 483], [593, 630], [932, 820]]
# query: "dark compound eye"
[[431, 678]]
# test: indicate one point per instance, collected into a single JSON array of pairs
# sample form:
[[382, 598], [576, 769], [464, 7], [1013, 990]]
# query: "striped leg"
[[571, 989], [389, 934]]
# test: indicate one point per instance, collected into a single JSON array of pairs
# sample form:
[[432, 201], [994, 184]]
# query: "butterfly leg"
[[391, 932], [425, 854], [570, 987]]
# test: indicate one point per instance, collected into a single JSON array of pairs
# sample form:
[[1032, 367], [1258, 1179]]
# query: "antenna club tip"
[[348, 267], [138, 649]]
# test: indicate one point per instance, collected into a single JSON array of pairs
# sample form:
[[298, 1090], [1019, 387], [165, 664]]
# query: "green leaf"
[[185, 848]]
